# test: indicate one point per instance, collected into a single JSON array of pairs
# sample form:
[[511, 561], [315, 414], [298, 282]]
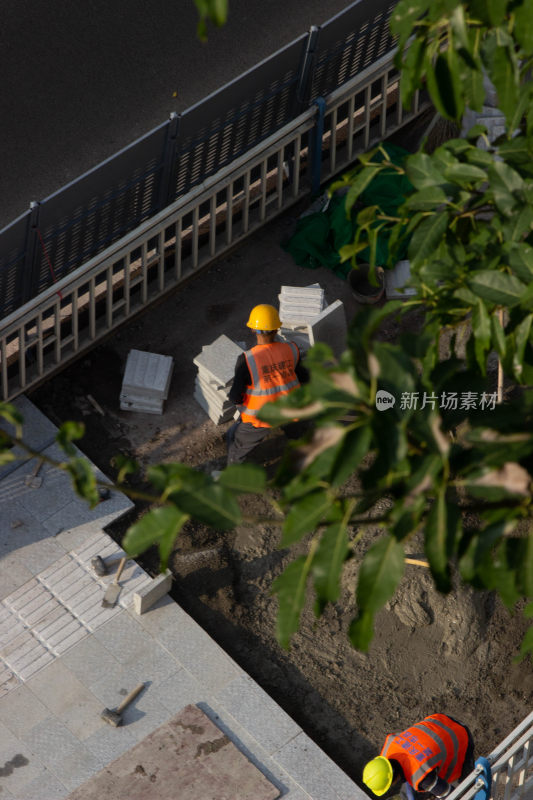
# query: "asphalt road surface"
[[80, 79]]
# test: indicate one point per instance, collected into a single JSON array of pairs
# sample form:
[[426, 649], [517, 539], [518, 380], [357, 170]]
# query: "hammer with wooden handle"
[[114, 715]]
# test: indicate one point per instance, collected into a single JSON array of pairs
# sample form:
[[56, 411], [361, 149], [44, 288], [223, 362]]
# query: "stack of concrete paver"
[[146, 382], [330, 327], [298, 305], [216, 368]]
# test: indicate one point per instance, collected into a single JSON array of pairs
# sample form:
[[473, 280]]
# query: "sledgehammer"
[[114, 715]]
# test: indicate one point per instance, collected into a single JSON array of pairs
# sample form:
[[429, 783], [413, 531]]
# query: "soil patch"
[[431, 653]]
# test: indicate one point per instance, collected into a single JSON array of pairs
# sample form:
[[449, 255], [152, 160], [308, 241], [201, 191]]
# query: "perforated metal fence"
[[83, 306], [71, 226]]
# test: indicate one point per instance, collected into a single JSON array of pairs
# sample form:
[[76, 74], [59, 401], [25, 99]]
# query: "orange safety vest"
[[272, 371], [437, 742]]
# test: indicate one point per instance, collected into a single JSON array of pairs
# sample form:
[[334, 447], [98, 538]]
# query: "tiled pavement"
[[64, 658]]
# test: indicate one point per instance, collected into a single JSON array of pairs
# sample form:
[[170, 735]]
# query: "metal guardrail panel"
[[350, 42], [234, 119], [12, 260]]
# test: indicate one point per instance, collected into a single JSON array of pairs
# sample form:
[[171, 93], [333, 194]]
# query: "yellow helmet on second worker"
[[264, 318], [377, 775]]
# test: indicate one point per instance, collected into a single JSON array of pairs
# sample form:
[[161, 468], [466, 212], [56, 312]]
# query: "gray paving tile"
[[90, 661], [67, 698], [198, 653], [345, 788], [21, 709], [45, 787], [109, 743], [53, 494], [77, 514], [301, 758], [40, 554], [13, 574], [258, 713], [20, 763], [123, 637], [164, 618], [18, 526], [330, 327], [51, 741], [153, 663], [178, 691], [114, 685], [77, 767]]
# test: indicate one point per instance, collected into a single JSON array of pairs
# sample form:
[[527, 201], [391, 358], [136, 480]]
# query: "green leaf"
[[426, 199], [505, 76], [84, 480], [290, 588], [523, 30], [405, 15], [359, 184], [353, 449], [505, 182], [11, 414], [498, 335], [427, 237], [125, 466], [525, 567], [481, 329], [497, 287], [465, 174], [212, 504], [243, 478], [521, 336], [328, 562], [304, 516], [423, 171], [361, 630], [160, 526], [526, 648], [6, 456], [379, 574], [441, 526], [521, 260], [496, 10], [69, 432]]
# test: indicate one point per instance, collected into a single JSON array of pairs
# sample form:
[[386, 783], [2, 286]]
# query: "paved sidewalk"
[[63, 658]]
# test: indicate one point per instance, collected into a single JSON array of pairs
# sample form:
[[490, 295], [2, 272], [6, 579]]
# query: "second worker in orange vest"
[[264, 373], [428, 756]]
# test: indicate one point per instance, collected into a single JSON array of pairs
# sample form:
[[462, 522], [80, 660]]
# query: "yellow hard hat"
[[264, 318], [377, 775]]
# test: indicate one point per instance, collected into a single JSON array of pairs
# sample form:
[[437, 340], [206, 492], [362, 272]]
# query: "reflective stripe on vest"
[[437, 742], [268, 382]]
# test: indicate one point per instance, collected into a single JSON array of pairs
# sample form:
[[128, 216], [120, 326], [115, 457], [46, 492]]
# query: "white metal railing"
[[511, 766], [57, 326]]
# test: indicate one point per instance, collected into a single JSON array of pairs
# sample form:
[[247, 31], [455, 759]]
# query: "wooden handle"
[[120, 568], [417, 562], [132, 695]]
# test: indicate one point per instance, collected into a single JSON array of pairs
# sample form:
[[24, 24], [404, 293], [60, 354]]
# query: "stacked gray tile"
[[146, 382], [216, 368], [330, 327], [298, 305]]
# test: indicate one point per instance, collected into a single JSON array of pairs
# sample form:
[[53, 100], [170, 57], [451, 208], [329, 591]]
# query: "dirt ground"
[[430, 653]]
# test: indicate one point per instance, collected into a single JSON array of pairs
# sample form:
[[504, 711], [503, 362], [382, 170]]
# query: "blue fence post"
[[30, 275], [303, 87], [167, 190], [485, 776], [316, 149]]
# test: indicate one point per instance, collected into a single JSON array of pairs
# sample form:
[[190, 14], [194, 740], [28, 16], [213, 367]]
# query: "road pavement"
[[83, 78]]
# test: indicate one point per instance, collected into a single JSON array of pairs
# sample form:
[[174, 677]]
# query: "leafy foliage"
[[445, 459]]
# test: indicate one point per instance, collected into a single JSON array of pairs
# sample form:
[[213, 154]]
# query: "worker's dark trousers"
[[242, 437]]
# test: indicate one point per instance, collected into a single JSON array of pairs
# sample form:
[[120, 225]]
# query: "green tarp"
[[319, 237]]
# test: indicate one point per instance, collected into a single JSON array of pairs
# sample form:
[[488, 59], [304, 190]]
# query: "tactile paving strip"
[[58, 607]]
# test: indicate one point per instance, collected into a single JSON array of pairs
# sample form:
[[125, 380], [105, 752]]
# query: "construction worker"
[[428, 756], [268, 371]]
